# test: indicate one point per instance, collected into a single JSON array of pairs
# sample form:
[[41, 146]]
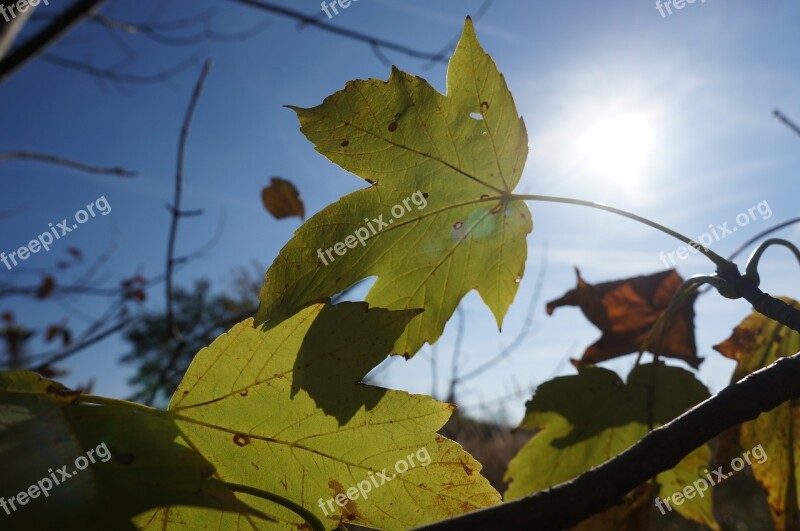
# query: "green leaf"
[[265, 428], [756, 343], [458, 230], [282, 410], [587, 419], [140, 461]]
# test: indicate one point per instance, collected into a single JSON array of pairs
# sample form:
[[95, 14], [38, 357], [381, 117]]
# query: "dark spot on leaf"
[[243, 393], [345, 143], [467, 469], [484, 107], [256, 466], [397, 116], [457, 225], [498, 208], [241, 440], [124, 458], [393, 127], [485, 196], [425, 195]]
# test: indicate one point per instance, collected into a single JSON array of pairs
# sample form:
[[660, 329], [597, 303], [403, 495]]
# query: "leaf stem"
[[105, 401], [721, 263], [301, 511]]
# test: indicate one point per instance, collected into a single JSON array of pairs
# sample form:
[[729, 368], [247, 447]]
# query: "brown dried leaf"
[[54, 331], [282, 199], [46, 288], [625, 310]]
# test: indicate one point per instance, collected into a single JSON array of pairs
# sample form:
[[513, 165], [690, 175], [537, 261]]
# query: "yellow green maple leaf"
[[437, 221]]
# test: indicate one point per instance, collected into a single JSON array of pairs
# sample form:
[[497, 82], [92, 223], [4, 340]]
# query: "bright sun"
[[618, 147]]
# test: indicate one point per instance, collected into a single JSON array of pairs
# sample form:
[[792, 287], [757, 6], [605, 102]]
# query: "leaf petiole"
[[722, 264]]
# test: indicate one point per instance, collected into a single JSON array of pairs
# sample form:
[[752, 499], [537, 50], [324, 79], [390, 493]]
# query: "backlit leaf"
[[147, 464], [266, 427], [756, 343], [282, 410], [436, 222], [591, 417]]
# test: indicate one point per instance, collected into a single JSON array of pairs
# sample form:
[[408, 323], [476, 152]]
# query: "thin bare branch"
[[207, 34], [176, 201], [52, 159], [355, 35], [786, 121], [119, 77], [58, 356]]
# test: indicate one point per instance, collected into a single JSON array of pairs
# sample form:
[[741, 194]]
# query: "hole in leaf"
[[476, 115]]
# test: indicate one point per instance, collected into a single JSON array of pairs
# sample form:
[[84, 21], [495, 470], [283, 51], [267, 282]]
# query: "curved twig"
[[751, 269], [299, 510], [760, 235]]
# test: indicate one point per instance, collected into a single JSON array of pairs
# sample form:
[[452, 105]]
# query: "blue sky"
[[669, 117]]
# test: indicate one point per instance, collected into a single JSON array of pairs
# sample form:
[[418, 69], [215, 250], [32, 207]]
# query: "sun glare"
[[618, 148]]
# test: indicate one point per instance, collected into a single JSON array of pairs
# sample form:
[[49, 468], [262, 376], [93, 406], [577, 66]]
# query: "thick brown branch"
[[763, 303], [601, 488]]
